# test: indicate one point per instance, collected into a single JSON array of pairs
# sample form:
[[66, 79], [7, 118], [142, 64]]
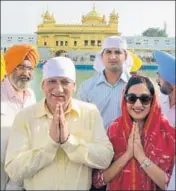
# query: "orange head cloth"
[[17, 53]]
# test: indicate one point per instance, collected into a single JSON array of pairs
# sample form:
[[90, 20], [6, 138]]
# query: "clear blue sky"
[[134, 16]]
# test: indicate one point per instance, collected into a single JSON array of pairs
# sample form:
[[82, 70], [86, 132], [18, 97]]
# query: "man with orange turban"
[[20, 62]]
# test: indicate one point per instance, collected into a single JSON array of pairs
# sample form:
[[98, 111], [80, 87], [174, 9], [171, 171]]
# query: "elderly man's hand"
[[64, 133], [54, 128]]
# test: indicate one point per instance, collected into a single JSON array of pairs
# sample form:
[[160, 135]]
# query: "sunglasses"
[[145, 99]]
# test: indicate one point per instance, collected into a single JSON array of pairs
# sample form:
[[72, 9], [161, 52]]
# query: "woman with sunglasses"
[[143, 142]]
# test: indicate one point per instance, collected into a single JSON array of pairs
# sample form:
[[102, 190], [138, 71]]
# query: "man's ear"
[[41, 86], [126, 54], [74, 89]]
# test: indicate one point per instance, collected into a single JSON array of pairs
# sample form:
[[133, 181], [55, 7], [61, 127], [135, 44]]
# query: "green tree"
[[155, 32]]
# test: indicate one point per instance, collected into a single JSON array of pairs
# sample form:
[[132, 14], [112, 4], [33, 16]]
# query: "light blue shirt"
[[105, 96], [171, 185]]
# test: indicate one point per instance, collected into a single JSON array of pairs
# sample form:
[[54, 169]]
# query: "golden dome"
[[114, 14], [93, 17], [48, 18], [46, 14], [93, 13]]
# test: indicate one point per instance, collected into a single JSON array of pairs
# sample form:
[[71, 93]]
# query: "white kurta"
[[168, 111]]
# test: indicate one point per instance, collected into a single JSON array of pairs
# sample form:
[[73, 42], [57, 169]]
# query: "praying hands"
[[58, 129], [135, 148]]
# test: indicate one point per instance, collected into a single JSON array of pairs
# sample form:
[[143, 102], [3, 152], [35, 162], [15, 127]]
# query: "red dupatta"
[[158, 139]]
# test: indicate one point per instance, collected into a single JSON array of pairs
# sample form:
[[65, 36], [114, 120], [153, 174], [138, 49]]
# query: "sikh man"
[[166, 80], [58, 140], [20, 62]]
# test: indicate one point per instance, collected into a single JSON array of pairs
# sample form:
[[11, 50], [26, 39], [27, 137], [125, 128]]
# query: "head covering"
[[166, 66], [3, 69], [158, 139], [113, 42], [59, 67], [137, 62], [17, 53]]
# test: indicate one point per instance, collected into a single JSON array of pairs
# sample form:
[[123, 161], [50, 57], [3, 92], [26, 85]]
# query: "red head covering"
[[158, 139], [17, 53]]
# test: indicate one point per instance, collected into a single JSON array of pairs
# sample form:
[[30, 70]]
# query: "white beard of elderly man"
[[58, 140]]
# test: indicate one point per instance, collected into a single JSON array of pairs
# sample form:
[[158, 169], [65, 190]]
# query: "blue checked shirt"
[[105, 96]]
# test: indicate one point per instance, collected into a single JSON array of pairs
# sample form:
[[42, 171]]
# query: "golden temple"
[[87, 36]]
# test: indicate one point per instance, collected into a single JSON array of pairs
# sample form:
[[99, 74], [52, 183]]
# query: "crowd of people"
[[118, 135]]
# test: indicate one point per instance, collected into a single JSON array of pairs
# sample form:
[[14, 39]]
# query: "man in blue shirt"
[[105, 88]]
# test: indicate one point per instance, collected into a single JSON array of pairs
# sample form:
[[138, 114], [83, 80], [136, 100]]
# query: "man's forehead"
[[26, 62], [114, 49], [59, 78]]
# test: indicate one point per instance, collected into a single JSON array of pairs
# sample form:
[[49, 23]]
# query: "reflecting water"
[[81, 76]]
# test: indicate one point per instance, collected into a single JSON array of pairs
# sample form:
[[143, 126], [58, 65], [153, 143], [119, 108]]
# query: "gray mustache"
[[25, 78]]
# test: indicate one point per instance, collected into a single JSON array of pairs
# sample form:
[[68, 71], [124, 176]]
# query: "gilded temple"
[[87, 36]]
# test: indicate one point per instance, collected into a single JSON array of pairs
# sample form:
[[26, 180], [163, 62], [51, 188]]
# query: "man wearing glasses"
[[15, 95]]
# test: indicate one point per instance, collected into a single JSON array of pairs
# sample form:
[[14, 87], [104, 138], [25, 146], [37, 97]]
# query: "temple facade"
[[82, 41], [87, 36]]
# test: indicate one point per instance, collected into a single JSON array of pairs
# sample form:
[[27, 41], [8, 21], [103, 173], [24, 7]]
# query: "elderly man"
[[105, 88], [15, 95], [167, 82], [58, 140]]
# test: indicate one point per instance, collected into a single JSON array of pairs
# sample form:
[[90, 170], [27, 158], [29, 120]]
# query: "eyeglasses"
[[23, 68], [145, 99]]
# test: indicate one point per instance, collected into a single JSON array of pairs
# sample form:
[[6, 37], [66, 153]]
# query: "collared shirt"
[[105, 96], [46, 165], [168, 111], [11, 104]]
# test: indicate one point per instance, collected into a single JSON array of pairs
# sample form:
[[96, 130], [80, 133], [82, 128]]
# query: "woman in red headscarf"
[[143, 142]]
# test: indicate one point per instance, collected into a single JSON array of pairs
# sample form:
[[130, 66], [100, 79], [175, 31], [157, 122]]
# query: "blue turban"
[[166, 66]]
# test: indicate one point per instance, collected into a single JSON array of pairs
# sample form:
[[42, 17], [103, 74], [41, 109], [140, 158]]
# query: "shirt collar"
[[124, 76], [165, 99], [42, 109], [11, 92]]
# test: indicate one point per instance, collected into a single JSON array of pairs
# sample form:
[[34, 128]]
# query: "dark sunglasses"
[[145, 99]]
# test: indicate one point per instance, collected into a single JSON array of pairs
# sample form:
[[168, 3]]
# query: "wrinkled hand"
[[64, 133], [130, 147], [138, 148], [54, 131]]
